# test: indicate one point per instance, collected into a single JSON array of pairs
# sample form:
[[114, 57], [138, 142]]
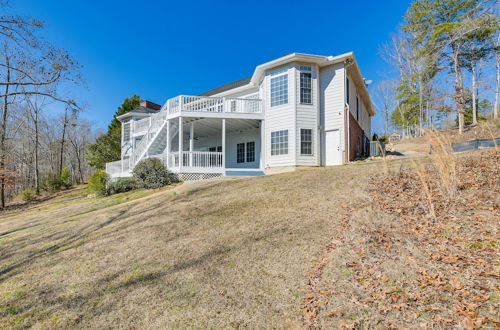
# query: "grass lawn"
[[258, 252]]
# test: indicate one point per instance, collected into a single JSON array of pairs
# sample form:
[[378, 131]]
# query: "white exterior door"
[[332, 148]]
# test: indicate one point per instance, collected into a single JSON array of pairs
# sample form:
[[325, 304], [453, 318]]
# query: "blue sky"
[[159, 50]]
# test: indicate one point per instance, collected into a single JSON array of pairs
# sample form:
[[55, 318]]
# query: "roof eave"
[[297, 57], [132, 114]]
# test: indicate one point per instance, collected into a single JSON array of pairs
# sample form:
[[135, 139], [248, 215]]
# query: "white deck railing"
[[157, 120], [114, 169], [149, 127], [196, 159], [141, 126], [214, 104]]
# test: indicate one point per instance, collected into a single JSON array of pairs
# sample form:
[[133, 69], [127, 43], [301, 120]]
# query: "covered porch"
[[200, 145]]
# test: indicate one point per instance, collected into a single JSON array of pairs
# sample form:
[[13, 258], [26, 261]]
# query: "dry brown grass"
[[222, 254], [314, 247]]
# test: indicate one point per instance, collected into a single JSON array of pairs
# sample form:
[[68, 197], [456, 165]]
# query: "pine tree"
[[108, 146], [443, 28]]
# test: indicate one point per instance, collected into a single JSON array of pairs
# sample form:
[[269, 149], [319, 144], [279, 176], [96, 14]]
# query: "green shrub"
[[27, 195], [151, 173], [56, 182], [66, 178], [122, 185], [97, 183]]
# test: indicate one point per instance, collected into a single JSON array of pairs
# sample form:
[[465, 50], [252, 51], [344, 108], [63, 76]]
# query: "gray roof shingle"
[[226, 87]]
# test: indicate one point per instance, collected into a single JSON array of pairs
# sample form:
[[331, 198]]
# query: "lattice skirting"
[[197, 176]]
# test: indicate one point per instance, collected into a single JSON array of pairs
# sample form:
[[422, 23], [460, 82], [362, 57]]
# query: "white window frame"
[[305, 69], [127, 129], [279, 78], [311, 141], [281, 140]]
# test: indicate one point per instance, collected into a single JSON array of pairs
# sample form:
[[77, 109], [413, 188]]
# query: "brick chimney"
[[150, 105]]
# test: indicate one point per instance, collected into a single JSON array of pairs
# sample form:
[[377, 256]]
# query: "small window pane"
[[305, 88], [250, 152], [279, 142], [240, 153], [279, 90], [126, 132], [305, 141]]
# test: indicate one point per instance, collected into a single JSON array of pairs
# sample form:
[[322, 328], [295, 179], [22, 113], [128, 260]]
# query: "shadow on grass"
[[67, 241]]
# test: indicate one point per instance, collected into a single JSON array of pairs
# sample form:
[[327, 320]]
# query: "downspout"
[[347, 64]]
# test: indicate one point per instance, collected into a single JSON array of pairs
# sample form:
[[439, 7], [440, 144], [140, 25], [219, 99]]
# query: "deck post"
[[224, 147], [180, 144], [262, 163], [191, 143]]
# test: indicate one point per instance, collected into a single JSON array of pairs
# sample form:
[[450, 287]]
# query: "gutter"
[[347, 64]]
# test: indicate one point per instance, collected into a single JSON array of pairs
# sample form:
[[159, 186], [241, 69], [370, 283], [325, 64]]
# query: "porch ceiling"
[[204, 127]]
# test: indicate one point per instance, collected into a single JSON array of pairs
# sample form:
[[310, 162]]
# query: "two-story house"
[[297, 110]]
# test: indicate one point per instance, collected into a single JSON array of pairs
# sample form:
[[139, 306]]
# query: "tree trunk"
[[386, 120], [78, 160], [428, 114], [420, 104], [497, 86], [63, 138], [474, 87], [459, 90], [3, 151], [37, 172]]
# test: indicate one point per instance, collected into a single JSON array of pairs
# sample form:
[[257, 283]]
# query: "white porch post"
[[180, 143], [262, 163], [191, 143], [167, 149], [224, 147]]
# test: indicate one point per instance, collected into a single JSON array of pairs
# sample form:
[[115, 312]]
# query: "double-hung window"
[[215, 149], [279, 142], [245, 152], [305, 84], [240, 153], [279, 89], [126, 132], [306, 141], [250, 152]]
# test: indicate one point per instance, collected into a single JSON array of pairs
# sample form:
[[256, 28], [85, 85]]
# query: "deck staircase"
[[154, 141]]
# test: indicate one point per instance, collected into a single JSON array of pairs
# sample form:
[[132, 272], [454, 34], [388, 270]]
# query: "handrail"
[[214, 104], [190, 103], [157, 120]]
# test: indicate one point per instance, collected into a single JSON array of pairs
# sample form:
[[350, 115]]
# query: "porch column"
[[191, 143], [262, 163], [224, 147], [167, 149], [180, 143]]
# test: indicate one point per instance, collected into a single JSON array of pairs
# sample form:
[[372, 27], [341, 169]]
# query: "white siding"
[[332, 102], [307, 117], [279, 118]]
